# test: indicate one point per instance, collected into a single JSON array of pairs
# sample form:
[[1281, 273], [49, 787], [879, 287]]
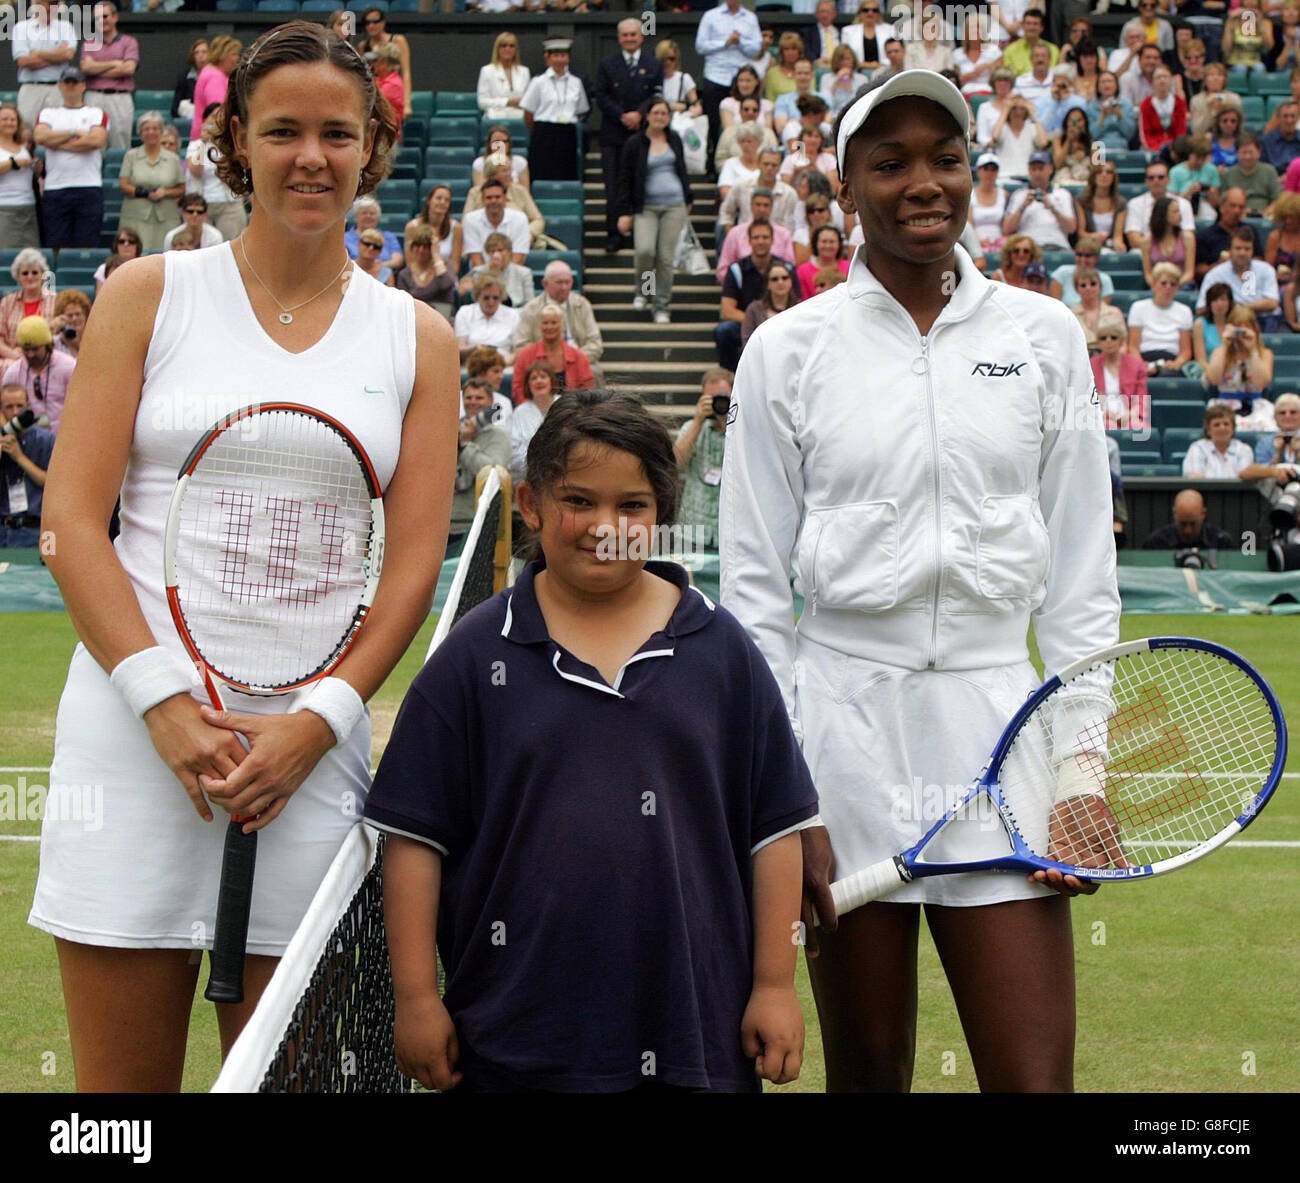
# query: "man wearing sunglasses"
[[1086, 253], [1155, 29]]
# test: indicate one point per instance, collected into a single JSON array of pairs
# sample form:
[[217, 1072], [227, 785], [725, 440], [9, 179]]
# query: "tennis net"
[[325, 1022]]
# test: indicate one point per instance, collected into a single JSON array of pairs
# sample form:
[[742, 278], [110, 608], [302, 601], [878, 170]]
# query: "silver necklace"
[[286, 314]]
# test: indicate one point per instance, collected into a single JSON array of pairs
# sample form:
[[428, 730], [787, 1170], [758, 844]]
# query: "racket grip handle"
[[869, 884], [234, 900]]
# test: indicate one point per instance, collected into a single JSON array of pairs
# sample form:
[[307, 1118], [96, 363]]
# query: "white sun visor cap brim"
[[925, 84]]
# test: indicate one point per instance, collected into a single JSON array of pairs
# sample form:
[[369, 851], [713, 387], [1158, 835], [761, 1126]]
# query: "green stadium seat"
[[1129, 261], [1176, 389], [1132, 189], [400, 171], [1177, 440], [537, 260], [1052, 259], [559, 207], [1135, 441], [1274, 101], [10, 253], [1283, 344], [1252, 111], [71, 277], [277, 6], [317, 6], [398, 193], [1271, 84], [80, 257], [234, 5], [567, 229], [439, 154], [1166, 414], [455, 102], [153, 100], [1124, 300], [395, 221], [1152, 469], [453, 129], [422, 103], [1130, 281], [1129, 460], [459, 190], [571, 189]]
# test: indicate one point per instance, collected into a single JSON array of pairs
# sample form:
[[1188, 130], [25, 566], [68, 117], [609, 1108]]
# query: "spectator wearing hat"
[[42, 46], [42, 372], [34, 297], [110, 67], [988, 203], [73, 137], [554, 105], [386, 61], [1042, 210], [24, 458]]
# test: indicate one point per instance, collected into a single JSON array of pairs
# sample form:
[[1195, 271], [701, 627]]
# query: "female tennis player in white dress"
[[925, 445], [174, 343]]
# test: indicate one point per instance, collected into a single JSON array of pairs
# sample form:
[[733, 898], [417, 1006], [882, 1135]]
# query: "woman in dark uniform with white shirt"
[[553, 106]]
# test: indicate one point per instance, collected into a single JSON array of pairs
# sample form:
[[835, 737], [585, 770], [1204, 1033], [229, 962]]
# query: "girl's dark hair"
[[1160, 218], [1214, 291], [295, 43], [606, 417], [735, 89]]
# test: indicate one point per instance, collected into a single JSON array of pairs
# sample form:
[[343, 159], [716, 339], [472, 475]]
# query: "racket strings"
[[276, 529], [1181, 745]]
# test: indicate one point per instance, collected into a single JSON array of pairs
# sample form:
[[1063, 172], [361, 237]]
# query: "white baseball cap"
[[925, 84]]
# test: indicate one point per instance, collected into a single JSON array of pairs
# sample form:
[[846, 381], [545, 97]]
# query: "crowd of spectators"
[[1136, 161]]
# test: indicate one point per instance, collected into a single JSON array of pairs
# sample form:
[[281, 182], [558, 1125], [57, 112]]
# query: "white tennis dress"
[[142, 872]]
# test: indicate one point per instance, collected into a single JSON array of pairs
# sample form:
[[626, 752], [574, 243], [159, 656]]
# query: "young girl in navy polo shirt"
[[593, 794]]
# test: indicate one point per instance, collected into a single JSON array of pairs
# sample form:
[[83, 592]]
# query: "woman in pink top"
[[214, 79], [827, 247]]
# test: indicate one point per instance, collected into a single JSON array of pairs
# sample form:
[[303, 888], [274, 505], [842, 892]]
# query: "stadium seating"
[[1271, 84], [1169, 414]]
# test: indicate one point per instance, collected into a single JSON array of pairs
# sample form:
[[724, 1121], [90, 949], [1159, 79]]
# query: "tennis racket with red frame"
[[274, 547]]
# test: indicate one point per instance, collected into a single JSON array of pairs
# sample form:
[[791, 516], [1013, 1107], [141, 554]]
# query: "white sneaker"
[[662, 318], [639, 303]]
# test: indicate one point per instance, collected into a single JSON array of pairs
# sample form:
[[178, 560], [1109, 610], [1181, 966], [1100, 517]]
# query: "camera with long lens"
[[1196, 559], [1286, 504], [25, 419]]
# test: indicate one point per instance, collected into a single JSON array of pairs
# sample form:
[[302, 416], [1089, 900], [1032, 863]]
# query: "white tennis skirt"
[[892, 750], [127, 862]]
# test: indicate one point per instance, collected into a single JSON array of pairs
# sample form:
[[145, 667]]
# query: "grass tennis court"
[[1181, 982]]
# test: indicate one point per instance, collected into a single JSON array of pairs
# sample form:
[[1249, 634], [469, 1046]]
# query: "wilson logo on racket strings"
[[283, 552]]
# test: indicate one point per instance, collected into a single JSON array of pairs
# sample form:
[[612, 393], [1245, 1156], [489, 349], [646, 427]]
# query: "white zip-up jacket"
[[935, 491]]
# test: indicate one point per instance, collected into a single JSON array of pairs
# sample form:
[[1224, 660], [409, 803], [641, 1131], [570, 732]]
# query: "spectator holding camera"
[[71, 307], [700, 448], [40, 371], [1042, 210], [480, 442], [1277, 463], [24, 457], [1219, 455], [1253, 282], [1241, 365]]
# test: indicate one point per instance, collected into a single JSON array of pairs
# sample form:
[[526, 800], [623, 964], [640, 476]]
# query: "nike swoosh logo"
[[369, 391]]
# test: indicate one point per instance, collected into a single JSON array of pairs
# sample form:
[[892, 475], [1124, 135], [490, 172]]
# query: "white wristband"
[[147, 678], [337, 703], [1080, 776]]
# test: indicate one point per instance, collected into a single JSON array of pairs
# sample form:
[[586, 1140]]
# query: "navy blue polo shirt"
[[595, 914]]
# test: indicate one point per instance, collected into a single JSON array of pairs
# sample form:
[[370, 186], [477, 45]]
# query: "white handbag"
[[690, 256]]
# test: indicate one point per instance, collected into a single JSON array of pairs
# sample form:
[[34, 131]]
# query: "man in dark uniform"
[[625, 81], [1189, 528]]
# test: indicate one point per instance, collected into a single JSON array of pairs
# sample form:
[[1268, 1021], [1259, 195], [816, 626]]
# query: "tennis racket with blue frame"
[[1133, 762]]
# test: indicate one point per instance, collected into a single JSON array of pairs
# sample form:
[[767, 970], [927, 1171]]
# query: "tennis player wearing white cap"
[[925, 446]]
